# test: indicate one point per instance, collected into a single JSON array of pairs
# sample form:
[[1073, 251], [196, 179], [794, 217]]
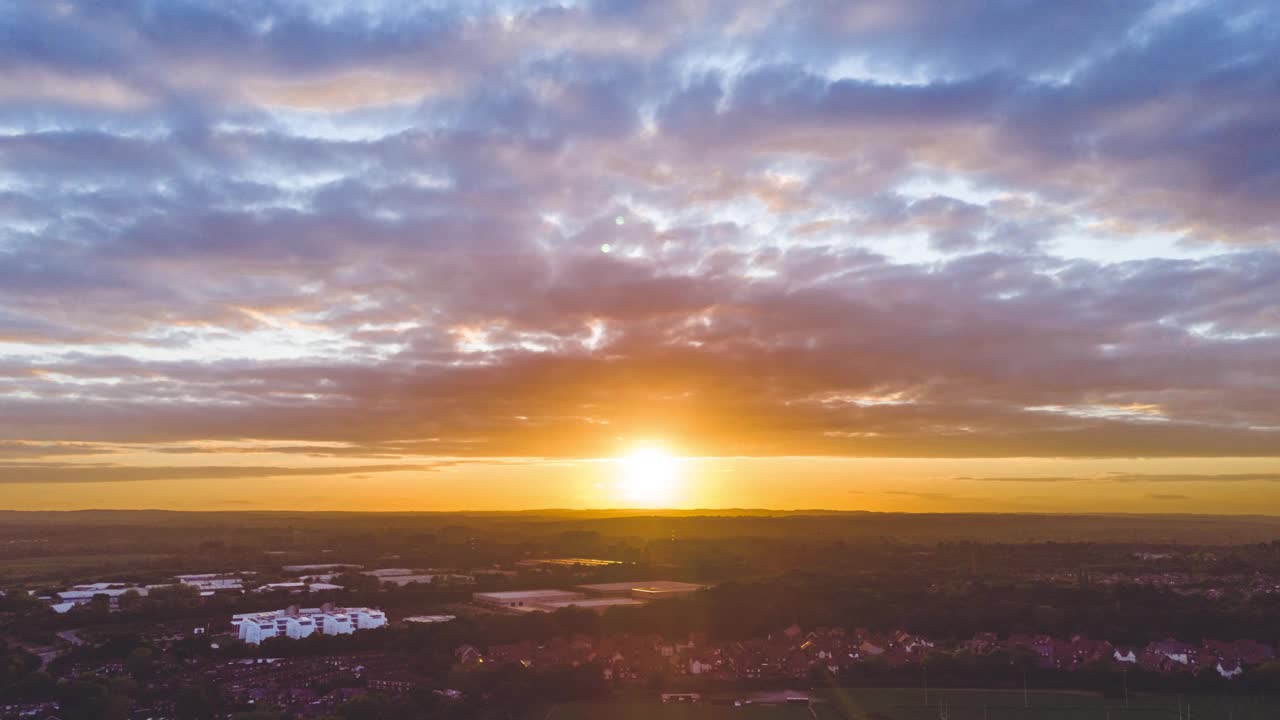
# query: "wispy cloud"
[[1135, 478]]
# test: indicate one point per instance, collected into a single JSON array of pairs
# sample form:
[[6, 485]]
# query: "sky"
[[1012, 255]]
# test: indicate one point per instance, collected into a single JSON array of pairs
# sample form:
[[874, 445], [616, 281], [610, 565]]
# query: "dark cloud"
[[1166, 497]]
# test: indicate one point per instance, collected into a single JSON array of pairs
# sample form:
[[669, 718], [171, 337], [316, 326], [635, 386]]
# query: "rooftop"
[[655, 587], [592, 562], [430, 618], [591, 603], [526, 595]]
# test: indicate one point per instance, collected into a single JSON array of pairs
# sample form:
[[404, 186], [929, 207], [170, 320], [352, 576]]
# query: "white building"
[[388, 572], [320, 567], [214, 582], [84, 594], [299, 627], [297, 623], [430, 619], [293, 588]]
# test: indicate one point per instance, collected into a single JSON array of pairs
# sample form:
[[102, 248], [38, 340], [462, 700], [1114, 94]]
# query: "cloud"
[[96, 473], [1166, 496], [1136, 478], [871, 230]]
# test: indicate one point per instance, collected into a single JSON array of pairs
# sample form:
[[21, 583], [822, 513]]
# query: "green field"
[[893, 704], [78, 568]]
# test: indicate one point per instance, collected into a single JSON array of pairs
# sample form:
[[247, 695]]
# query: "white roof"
[[213, 576], [215, 583], [282, 586], [110, 592]]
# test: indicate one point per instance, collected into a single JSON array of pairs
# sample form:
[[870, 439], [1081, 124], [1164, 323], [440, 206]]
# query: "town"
[[424, 629]]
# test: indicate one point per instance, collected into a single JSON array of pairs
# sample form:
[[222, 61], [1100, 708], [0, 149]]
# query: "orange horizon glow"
[[648, 476]]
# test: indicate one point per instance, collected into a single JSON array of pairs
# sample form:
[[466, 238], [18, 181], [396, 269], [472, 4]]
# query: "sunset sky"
[[883, 255]]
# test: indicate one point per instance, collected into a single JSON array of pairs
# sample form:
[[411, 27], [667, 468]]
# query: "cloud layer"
[[873, 228]]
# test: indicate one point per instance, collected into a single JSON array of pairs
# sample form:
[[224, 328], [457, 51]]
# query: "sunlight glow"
[[649, 477]]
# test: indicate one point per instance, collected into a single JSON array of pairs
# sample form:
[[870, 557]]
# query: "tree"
[[196, 702], [130, 600], [140, 664]]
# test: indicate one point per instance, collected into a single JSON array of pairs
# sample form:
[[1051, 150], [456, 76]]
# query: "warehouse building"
[[597, 605], [642, 589], [519, 599]]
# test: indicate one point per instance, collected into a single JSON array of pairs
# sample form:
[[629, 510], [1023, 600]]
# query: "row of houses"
[[792, 653]]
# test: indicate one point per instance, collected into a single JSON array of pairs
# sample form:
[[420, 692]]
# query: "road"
[[71, 636]]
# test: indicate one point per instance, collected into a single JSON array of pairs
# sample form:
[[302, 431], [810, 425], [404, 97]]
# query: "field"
[[891, 704], [81, 567]]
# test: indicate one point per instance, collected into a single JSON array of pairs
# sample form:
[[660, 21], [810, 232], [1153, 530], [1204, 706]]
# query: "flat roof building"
[[567, 562], [523, 598], [598, 605], [298, 587], [297, 622], [388, 572], [319, 567], [431, 579], [84, 594], [642, 589], [212, 582]]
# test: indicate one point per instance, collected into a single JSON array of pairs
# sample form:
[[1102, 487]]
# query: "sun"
[[649, 477]]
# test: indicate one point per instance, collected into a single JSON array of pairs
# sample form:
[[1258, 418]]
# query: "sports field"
[[893, 704]]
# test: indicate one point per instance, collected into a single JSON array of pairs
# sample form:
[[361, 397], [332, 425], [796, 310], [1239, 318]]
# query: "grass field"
[[76, 568], [895, 704]]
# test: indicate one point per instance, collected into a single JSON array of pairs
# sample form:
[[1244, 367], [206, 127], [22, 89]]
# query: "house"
[[1231, 669], [1169, 655], [869, 648], [982, 644]]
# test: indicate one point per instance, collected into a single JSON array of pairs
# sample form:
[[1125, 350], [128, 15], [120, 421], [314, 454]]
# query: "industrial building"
[[518, 599], [84, 594], [642, 589], [598, 605], [550, 600], [320, 567], [427, 579], [209, 583], [297, 623], [570, 562], [387, 572], [430, 619], [293, 588]]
